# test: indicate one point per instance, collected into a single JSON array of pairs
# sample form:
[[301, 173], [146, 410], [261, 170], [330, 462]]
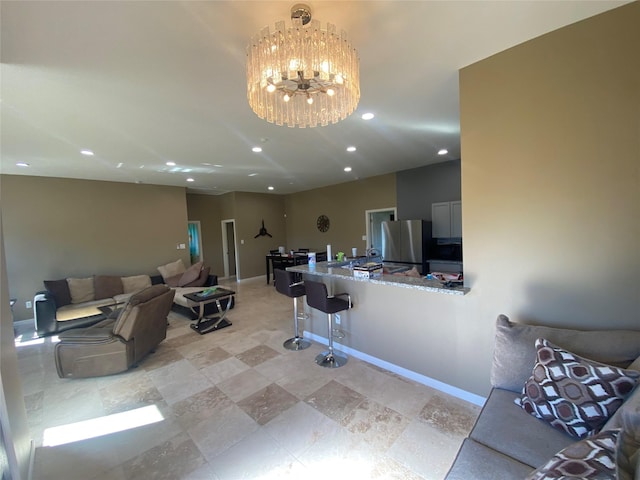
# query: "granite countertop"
[[322, 270]]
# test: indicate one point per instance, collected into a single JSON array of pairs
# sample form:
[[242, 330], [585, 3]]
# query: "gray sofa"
[[509, 443]]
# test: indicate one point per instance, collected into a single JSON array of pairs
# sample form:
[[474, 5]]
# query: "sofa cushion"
[[81, 289], [171, 269], [81, 310], [60, 291], [514, 351], [191, 274], [593, 458], [531, 441], [107, 286], [135, 283], [572, 393], [201, 280], [173, 280], [479, 462]]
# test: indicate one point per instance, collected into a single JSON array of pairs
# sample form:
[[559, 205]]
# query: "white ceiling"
[[141, 83]]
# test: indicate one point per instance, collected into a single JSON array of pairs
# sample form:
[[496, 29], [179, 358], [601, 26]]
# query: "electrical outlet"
[[27, 304], [337, 316]]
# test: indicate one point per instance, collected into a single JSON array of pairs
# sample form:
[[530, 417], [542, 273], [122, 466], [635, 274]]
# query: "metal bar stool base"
[[331, 359], [296, 343]]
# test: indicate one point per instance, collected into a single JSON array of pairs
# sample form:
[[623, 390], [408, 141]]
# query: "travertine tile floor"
[[235, 404]]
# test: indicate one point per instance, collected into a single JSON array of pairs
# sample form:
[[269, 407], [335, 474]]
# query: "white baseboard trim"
[[411, 375]]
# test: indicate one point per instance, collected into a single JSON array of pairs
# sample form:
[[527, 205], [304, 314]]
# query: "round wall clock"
[[323, 223]]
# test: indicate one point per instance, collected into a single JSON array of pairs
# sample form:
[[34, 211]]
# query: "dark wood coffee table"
[[210, 323]]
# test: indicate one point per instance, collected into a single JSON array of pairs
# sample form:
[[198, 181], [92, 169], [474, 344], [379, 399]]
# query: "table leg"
[[268, 260], [209, 324]]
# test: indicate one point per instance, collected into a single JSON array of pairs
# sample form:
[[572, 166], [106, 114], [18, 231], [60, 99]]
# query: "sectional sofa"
[[590, 412], [80, 302]]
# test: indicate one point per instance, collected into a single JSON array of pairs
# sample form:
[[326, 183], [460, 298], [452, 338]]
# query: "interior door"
[[231, 248]]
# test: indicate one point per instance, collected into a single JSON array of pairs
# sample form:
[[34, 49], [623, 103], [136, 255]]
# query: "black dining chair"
[[287, 284], [318, 298]]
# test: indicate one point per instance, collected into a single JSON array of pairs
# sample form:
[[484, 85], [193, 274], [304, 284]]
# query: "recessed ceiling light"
[[88, 153], [252, 174], [22, 164], [351, 149], [270, 187], [367, 116], [256, 149], [347, 169], [206, 164], [171, 164], [219, 166], [190, 180], [119, 165], [443, 151]]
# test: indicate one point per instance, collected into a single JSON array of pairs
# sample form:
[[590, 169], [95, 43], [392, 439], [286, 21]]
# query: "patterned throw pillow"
[[593, 458], [574, 394]]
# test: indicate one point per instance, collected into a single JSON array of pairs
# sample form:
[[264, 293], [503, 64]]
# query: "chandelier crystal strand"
[[303, 75]]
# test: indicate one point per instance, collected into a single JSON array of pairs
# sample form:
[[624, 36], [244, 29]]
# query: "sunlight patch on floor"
[[96, 427]]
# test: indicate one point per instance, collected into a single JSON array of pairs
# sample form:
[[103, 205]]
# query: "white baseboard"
[[411, 375]]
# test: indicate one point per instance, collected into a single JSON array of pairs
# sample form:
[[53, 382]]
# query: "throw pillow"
[[81, 289], [60, 291], [173, 280], [135, 283], [107, 286], [592, 458], [201, 280], [574, 394], [190, 275], [171, 269]]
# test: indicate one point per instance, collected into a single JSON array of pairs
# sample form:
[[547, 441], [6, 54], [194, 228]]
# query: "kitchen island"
[[403, 324]]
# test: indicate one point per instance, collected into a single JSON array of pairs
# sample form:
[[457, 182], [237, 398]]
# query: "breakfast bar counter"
[[408, 325], [322, 269]]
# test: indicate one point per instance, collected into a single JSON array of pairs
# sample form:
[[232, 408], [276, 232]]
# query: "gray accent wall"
[[418, 188]]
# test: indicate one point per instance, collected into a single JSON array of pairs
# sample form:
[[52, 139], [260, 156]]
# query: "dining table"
[[284, 260]]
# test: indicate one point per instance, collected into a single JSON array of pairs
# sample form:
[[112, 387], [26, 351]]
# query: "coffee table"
[[210, 323]]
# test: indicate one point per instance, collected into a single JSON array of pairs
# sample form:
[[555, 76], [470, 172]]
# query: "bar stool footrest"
[[296, 343], [331, 359]]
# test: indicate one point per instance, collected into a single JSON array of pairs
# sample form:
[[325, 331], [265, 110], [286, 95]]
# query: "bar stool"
[[318, 298], [286, 284]]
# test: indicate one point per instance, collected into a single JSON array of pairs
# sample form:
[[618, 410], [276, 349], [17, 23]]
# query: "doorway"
[[373, 220], [229, 248], [195, 242]]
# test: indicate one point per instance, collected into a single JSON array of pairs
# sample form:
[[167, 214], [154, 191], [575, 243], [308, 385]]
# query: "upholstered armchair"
[[115, 344]]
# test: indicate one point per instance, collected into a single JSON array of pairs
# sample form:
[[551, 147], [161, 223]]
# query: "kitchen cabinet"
[[446, 219]]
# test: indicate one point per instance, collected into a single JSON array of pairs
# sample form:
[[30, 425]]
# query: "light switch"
[[27, 304], [182, 246], [364, 238], [241, 242]]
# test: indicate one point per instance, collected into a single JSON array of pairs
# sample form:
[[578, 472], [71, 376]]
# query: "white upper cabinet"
[[446, 219]]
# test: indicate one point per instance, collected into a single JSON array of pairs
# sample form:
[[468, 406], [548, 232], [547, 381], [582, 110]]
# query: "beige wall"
[[55, 228], [345, 205], [207, 209], [550, 181], [248, 210]]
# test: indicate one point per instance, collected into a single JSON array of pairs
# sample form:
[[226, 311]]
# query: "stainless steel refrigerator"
[[407, 242]]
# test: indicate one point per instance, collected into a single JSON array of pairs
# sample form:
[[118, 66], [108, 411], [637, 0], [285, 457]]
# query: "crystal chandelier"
[[304, 75]]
